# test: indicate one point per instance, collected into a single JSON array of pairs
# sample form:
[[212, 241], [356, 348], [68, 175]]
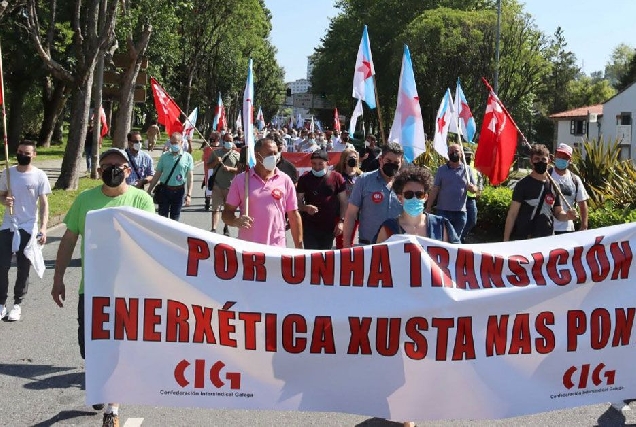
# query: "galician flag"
[[248, 116], [218, 110], [191, 124], [260, 119], [357, 112], [442, 122], [462, 116], [408, 126], [363, 85]]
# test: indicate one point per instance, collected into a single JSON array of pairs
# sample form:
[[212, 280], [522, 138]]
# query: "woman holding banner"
[[412, 185]]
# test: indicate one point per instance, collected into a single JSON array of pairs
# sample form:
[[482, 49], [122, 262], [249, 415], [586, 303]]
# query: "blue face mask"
[[319, 173], [174, 148], [414, 206], [561, 163]]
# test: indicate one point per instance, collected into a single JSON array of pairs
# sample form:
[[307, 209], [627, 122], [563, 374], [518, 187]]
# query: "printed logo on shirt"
[[277, 194], [377, 197], [549, 199], [179, 177]]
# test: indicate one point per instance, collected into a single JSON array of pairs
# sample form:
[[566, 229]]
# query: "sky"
[[592, 28]]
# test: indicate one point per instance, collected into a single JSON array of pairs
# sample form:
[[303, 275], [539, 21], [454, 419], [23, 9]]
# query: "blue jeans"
[[456, 218], [171, 207], [471, 216]]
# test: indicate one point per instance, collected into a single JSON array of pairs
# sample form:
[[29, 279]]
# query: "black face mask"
[[390, 169], [453, 157], [540, 167], [23, 160], [113, 176], [352, 163]]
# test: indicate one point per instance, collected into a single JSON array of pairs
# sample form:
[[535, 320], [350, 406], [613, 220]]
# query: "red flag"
[[336, 120], [497, 142], [222, 125], [167, 110], [102, 119]]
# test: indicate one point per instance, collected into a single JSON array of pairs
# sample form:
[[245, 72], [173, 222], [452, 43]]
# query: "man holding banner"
[[114, 168], [271, 195]]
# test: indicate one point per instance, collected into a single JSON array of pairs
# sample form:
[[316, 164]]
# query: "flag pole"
[[181, 111], [246, 201], [4, 131], [377, 105], [556, 187]]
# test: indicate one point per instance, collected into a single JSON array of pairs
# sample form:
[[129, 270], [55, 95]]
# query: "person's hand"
[[244, 221], [572, 214], [59, 293], [311, 209], [338, 230], [41, 236], [8, 201], [187, 200]]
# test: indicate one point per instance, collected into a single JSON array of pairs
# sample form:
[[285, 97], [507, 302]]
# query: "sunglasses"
[[409, 194]]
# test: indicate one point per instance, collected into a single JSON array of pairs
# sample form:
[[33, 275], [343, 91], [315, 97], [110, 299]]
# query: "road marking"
[[133, 422]]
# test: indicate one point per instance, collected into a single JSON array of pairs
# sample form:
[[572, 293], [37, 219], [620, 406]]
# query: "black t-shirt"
[[321, 192], [288, 168], [529, 192]]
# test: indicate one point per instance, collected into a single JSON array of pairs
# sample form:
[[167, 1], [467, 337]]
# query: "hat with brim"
[[320, 154], [564, 149], [121, 153]]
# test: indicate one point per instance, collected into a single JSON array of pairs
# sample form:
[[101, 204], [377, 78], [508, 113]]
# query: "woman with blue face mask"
[[412, 185]]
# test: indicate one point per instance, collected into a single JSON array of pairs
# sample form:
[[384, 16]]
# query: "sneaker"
[[15, 313], [110, 420], [98, 406], [226, 231], [3, 311]]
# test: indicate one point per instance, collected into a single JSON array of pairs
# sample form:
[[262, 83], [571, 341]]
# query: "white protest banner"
[[410, 329]]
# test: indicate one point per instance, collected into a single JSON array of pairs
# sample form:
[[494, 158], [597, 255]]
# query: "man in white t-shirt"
[[29, 185], [571, 187]]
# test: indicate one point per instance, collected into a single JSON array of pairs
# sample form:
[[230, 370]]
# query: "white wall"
[[621, 103], [564, 136]]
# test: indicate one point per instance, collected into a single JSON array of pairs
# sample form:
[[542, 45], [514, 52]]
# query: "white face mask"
[[269, 162], [137, 146], [367, 144]]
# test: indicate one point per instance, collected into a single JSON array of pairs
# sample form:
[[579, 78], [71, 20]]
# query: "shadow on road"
[[611, 418], [75, 262], [35, 372], [378, 422], [65, 416]]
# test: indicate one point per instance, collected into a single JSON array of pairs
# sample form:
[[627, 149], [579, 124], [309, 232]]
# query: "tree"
[[584, 91], [629, 77], [93, 30], [618, 64]]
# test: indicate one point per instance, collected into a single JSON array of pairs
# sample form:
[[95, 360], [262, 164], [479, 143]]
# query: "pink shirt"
[[268, 202]]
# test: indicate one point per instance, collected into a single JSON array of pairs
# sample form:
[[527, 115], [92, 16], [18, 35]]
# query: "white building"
[[617, 121], [614, 122], [298, 86], [574, 126]]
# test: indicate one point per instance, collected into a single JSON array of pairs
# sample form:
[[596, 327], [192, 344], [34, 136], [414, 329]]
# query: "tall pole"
[[4, 131], [377, 105], [497, 37]]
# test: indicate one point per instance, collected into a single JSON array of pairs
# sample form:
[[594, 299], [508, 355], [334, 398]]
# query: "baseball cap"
[[565, 149], [320, 154], [110, 151]]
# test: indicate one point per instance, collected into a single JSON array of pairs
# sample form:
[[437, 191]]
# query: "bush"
[[492, 209], [609, 214]]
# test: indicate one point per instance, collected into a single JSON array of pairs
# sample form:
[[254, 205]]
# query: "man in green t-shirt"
[[114, 168]]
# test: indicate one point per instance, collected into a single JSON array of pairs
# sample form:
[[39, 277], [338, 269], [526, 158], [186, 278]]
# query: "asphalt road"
[[42, 374]]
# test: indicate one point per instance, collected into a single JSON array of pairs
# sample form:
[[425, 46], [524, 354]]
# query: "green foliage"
[[584, 91], [618, 65], [610, 214], [492, 209]]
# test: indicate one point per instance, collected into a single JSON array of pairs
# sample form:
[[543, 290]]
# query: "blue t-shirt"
[[452, 188], [376, 202], [142, 168]]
